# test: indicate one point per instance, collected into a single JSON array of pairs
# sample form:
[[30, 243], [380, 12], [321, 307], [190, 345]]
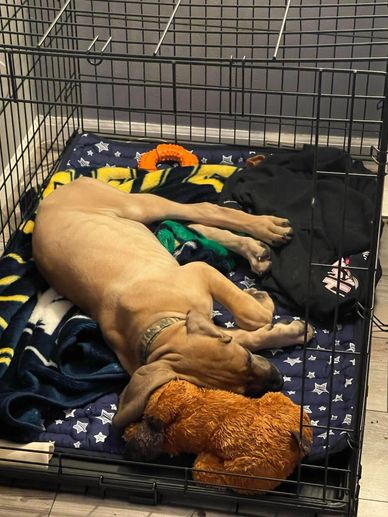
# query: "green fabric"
[[172, 234]]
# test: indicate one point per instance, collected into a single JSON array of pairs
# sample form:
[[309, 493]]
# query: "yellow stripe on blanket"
[[154, 179], [7, 351], [6, 280], [15, 298], [3, 324], [211, 174], [59, 178], [16, 257], [28, 227], [6, 355], [123, 178], [125, 186], [115, 174]]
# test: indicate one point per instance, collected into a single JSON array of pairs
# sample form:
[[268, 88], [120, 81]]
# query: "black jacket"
[[283, 185]]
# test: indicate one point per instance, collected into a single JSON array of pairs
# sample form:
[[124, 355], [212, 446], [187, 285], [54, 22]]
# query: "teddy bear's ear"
[[134, 397]]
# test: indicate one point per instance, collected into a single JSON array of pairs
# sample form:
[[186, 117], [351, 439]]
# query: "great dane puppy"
[[92, 245]]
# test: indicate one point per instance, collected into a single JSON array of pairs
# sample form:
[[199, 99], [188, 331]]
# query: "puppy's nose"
[[276, 382]]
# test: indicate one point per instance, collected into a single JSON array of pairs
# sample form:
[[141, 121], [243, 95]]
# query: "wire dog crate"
[[277, 74]]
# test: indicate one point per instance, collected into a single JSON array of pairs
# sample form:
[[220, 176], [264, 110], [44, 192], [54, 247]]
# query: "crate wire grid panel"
[[196, 72], [278, 74]]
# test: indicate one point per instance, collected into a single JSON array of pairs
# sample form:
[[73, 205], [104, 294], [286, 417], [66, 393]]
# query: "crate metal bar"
[[275, 54], [197, 27], [349, 34], [258, 116], [254, 6], [11, 67], [259, 62], [353, 79], [369, 304], [248, 97], [53, 23], [167, 27]]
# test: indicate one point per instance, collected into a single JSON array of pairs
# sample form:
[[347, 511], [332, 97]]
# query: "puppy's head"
[[199, 352], [217, 360]]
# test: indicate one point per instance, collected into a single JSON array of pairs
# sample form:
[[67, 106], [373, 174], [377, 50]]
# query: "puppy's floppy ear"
[[145, 440], [134, 397]]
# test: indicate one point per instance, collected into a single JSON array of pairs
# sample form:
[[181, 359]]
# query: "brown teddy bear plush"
[[230, 433]]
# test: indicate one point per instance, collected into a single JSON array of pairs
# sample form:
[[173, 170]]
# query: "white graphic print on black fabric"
[[340, 281]]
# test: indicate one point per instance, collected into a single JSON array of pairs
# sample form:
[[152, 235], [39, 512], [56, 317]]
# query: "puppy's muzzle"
[[271, 381], [276, 382]]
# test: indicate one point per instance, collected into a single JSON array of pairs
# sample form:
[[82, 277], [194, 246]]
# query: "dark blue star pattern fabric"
[[60, 377], [322, 377], [91, 150]]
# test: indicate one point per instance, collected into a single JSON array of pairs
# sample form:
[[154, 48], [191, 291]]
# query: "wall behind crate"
[[204, 101], [278, 107], [277, 104]]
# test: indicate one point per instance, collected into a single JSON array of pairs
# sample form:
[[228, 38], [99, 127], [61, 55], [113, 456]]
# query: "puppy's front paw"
[[257, 253]]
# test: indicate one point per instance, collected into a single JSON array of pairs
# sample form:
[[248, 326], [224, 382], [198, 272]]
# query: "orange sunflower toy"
[[167, 153]]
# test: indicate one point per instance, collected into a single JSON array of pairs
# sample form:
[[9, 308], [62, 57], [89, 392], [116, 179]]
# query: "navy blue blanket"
[[331, 357], [90, 150], [63, 381], [62, 360]]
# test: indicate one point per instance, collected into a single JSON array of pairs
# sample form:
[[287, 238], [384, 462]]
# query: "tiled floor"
[[374, 484]]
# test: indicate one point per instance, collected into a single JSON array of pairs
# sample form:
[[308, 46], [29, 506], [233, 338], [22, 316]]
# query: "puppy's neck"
[[152, 333]]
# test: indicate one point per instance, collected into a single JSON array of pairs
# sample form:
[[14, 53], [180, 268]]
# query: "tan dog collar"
[[151, 333]]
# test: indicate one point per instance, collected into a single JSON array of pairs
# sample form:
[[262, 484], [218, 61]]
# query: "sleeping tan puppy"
[[91, 244]]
